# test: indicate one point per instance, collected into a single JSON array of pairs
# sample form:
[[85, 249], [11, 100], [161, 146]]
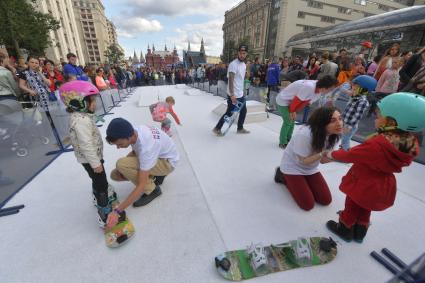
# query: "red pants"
[[308, 189], [353, 213]]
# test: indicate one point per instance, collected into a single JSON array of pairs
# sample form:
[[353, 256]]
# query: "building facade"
[[194, 58], [92, 30], [112, 35], [269, 24], [304, 15], [65, 39], [163, 59], [248, 22]]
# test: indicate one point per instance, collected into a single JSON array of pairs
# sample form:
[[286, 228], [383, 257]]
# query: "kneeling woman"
[[307, 148]]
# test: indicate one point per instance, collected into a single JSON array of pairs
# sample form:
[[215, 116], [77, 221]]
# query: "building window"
[[327, 19], [277, 4], [343, 10], [360, 2], [314, 4], [301, 15]]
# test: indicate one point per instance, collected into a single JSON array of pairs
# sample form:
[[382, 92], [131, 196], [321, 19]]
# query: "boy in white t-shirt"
[[153, 156]]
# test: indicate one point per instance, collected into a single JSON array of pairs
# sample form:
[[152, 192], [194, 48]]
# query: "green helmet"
[[408, 109]]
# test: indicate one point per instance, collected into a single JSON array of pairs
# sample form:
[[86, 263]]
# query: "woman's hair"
[[49, 61], [309, 61], [98, 70], [377, 58], [387, 53], [318, 121]]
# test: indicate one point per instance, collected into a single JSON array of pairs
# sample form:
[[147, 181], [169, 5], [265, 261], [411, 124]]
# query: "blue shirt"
[[76, 71], [273, 74]]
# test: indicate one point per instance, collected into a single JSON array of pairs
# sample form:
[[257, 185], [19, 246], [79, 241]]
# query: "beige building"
[[270, 23], [249, 21], [65, 39], [303, 15], [112, 35], [213, 60], [92, 29]]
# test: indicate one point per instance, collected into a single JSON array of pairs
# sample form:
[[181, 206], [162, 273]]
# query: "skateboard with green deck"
[[260, 260]]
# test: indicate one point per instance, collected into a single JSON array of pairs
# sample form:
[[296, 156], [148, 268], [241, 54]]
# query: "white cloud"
[[210, 31], [131, 26], [180, 7]]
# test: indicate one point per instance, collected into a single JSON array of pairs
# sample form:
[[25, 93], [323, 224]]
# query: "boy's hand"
[[98, 169], [293, 116], [112, 219]]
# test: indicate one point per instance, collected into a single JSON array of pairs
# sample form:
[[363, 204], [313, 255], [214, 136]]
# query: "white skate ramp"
[[221, 196]]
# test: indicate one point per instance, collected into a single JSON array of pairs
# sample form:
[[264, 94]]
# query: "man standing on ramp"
[[236, 76]]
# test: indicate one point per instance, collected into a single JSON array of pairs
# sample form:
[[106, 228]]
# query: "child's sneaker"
[[112, 196]]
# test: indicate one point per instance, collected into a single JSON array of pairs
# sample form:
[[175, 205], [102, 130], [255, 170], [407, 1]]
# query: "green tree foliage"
[[23, 26], [114, 54], [230, 49]]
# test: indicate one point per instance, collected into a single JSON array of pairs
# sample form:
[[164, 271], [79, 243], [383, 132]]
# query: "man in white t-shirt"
[[236, 75], [153, 156]]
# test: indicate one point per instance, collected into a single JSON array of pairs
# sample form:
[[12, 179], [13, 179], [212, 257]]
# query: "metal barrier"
[[31, 139]]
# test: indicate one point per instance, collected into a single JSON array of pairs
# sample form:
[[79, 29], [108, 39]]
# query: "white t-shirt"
[[238, 68], [152, 144], [300, 145], [303, 89]]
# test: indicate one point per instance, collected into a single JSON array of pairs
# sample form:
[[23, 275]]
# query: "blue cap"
[[119, 128]]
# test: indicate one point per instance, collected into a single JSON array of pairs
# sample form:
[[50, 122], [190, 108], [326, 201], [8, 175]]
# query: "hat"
[[366, 44], [243, 47], [119, 128]]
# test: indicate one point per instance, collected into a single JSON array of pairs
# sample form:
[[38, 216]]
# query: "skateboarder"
[[300, 161], [370, 184], [153, 156], [79, 98], [159, 112], [235, 87]]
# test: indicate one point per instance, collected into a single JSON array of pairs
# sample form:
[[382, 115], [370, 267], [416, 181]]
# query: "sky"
[[141, 23]]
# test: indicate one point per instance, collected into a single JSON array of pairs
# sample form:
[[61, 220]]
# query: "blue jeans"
[[346, 137]]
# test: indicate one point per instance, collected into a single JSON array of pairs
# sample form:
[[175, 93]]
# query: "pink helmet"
[[73, 93]]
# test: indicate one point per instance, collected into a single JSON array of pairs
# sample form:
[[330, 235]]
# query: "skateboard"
[[229, 120], [258, 260], [121, 232]]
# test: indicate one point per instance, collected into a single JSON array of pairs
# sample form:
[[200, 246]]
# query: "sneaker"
[[218, 132], [145, 199], [243, 131], [278, 177], [282, 146], [158, 180]]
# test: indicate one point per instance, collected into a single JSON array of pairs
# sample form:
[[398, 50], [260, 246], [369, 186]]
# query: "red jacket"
[[370, 182]]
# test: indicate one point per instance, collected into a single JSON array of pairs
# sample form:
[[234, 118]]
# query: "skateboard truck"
[[222, 262], [327, 245]]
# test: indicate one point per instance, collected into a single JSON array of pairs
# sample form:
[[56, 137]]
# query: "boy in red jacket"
[[370, 184]]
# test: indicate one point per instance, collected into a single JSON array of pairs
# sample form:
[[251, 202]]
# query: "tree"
[[114, 54], [229, 51], [22, 26]]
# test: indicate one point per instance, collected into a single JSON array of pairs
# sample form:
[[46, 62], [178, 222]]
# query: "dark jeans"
[[242, 113], [11, 96], [99, 184]]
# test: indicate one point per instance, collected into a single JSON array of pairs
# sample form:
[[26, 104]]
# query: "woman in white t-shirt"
[[299, 166]]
